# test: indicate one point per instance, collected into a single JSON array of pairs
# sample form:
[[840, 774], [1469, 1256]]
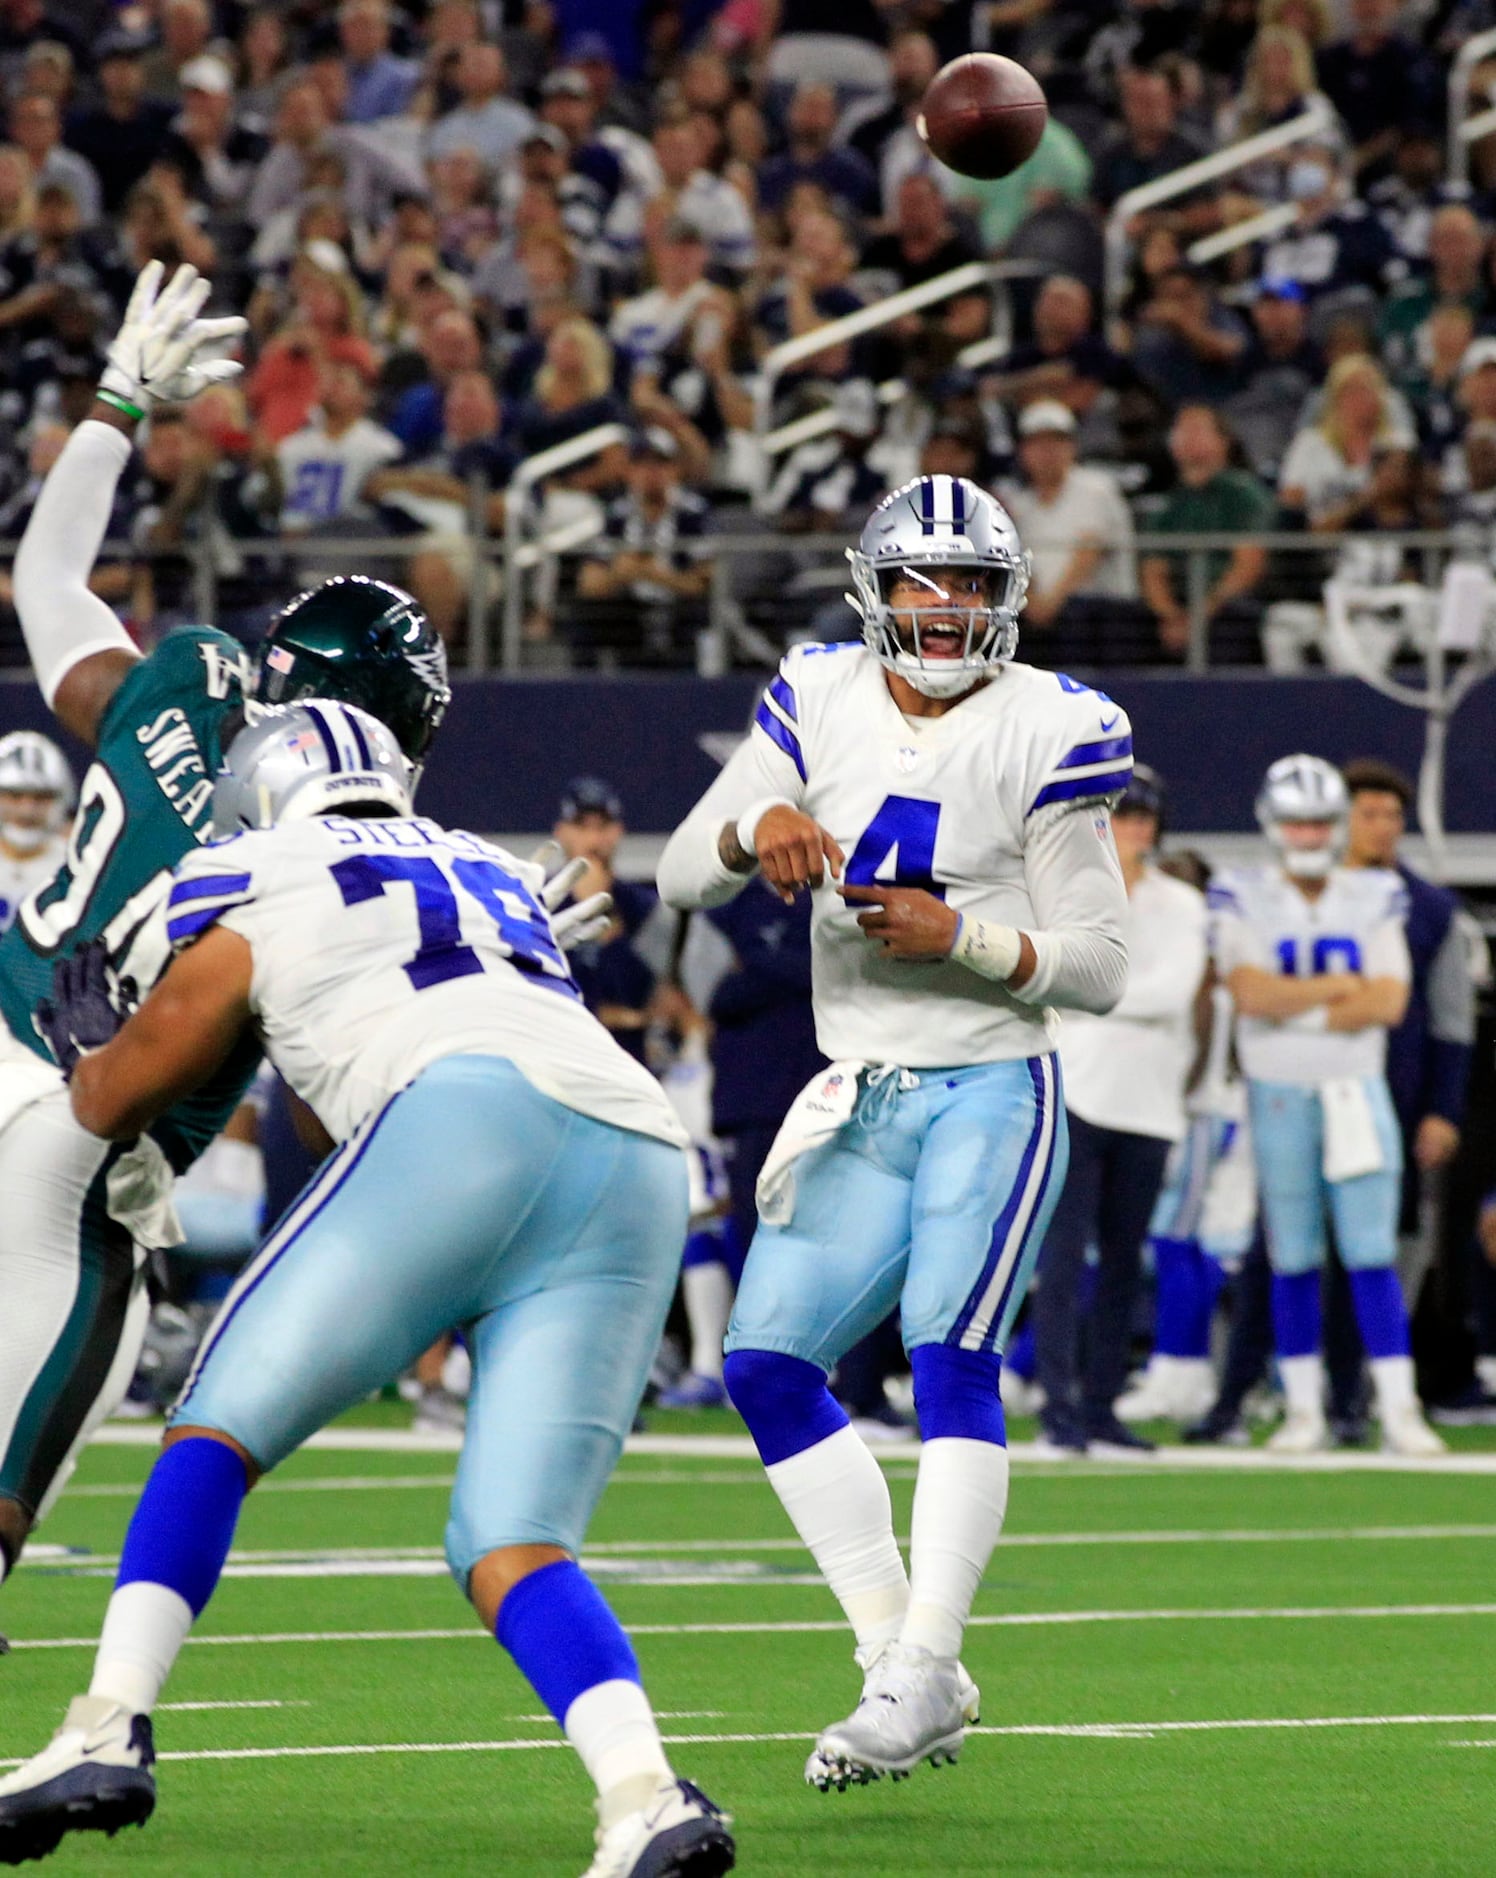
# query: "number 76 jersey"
[[381, 947]]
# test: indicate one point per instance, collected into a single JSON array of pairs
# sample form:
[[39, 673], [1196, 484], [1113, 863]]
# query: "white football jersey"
[[21, 878], [1259, 917], [381, 947], [947, 803]]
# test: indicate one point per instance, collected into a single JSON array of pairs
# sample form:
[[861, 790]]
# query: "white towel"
[[823, 1106], [140, 1188], [1352, 1146]]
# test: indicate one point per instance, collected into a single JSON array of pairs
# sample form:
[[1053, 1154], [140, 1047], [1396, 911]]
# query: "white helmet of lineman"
[[932, 526], [32, 765], [1305, 792], [314, 757]]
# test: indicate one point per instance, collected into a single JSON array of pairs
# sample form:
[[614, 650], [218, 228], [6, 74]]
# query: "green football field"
[[1218, 1670]]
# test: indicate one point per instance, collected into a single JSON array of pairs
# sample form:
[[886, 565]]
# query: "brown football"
[[983, 115]]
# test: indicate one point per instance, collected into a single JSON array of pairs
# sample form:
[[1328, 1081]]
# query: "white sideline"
[[1083, 1731]]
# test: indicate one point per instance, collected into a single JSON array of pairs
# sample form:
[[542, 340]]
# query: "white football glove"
[[577, 925], [165, 354]]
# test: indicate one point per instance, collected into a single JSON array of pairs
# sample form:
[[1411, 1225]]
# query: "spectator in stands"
[[121, 135], [566, 101], [39, 264], [374, 170], [225, 153], [649, 582], [1149, 142], [186, 34], [1277, 84], [450, 345], [461, 201], [1335, 244], [825, 483], [264, 68], [326, 325], [1328, 469], [573, 392], [1187, 345], [845, 175], [487, 121], [51, 366], [689, 194], [956, 446], [613, 977], [380, 84], [1475, 505], [321, 470], [17, 197], [1211, 498], [1456, 252], [36, 128], [813, 289], [1377, 78], [925, 241], [1278, 369], [886, 139], [1066, 359], [1058, 172]]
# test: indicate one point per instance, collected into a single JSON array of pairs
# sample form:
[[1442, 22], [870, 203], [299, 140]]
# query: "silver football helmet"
[[1304, 789], [292, 762], [32, 765], [936, 524]]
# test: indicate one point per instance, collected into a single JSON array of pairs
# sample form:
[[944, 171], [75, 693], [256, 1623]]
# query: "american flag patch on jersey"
[[279, 659]]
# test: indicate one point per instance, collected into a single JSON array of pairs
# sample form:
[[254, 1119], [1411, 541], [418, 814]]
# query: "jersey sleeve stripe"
[[1222, 897], [208, 886], [1109, 749], [783, 694], [1075, 788], [779, 732], [189, 925]]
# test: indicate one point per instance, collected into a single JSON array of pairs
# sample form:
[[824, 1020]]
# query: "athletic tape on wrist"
[[986, 948], [749, 820]]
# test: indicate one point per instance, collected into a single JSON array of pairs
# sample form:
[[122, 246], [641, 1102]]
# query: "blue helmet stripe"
[[329, 742], [350, 718]]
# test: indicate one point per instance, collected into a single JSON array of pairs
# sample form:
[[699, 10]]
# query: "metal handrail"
[[1464, 129], [1319, 117], [1259, 227]]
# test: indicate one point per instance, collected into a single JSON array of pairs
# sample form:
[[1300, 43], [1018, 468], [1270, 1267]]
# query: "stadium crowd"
[[467, 230]]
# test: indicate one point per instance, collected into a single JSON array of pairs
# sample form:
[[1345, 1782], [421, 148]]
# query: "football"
[[983, 115]]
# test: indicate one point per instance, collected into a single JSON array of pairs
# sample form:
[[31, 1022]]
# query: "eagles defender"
[[77, 1208], [504, 1165], [947, 807], [37, 794]]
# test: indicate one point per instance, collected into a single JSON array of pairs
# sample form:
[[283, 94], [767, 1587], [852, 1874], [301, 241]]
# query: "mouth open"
[[941, 641]]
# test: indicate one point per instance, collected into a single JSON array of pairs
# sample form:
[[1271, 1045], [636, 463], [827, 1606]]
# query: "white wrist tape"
[[984, 947], [749, 820]]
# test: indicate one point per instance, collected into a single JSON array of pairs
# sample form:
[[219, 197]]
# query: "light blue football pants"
[[1296, 1199], [471, 1199], [934, 1197]]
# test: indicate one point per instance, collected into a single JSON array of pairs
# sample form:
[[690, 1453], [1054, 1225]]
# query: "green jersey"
[[146, 800]]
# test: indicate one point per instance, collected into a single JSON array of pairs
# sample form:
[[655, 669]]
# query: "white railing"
[[1463, 128], [527, 476], [1259, 227], [1319, 118]]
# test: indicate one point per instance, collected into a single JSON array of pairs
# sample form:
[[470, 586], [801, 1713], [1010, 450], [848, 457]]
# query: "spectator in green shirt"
[[1058, 171], [1211, 499], [1456, 253]]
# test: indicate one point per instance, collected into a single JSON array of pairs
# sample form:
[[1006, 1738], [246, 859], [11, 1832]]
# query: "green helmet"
[[367, 643]]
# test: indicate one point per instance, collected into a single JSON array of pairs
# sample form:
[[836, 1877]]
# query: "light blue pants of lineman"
[[470, 1199], [934, 1198], [1288, 1143]]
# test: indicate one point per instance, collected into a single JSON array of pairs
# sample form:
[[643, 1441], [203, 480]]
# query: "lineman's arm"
[[181, 1034]]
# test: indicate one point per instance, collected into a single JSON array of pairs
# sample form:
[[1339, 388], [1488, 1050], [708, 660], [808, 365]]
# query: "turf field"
[[1226, 1670]]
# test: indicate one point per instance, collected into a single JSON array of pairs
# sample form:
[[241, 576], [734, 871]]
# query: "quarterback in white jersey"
[[948, 809], [1315, 958], [37, 793], [504, 1166]]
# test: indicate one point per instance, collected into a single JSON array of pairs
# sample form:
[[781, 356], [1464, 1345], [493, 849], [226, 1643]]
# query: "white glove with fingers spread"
[[574, 925], [163, 353]]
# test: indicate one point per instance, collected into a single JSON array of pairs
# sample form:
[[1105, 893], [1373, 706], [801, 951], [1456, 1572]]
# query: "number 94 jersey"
[[381, 947], [1259, 918]]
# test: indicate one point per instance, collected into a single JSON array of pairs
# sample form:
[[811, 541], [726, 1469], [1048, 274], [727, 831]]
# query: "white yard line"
[[183, 1707]]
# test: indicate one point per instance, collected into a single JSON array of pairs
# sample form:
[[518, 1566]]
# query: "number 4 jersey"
[[1355, 925], [381, 947]]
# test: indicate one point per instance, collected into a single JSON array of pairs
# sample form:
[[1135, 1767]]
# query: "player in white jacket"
[[948, 808]]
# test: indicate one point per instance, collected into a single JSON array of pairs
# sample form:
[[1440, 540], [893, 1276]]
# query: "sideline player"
[[409, 987], [962, 799], [37, 793], [1314, 955], [75, 1209]]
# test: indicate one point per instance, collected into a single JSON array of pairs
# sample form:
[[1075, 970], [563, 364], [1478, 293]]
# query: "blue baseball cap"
[[1279, 287], [589, 795]]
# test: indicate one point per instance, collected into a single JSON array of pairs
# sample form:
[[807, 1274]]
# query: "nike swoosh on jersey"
[[1110, 723]]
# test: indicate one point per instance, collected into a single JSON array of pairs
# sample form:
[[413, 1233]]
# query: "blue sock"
[[784, 1401], [1296, 1313], [1380, 1312], [184, 1524], [956, 1393], [1184, 1299], [562, 1636]]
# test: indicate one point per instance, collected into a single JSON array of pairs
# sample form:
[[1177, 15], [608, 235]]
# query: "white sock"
[[613, 1729], [1392, 1379], [1303, 1384], [837, 1497], [707, 1290], [144, 1628], [960, 1498], [1485, 1373]]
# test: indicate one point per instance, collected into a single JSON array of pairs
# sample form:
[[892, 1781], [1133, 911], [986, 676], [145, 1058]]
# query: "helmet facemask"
[[1311, 862], [1304, 792], [961, 627]]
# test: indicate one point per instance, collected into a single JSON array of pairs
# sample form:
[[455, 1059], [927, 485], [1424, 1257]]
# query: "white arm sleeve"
[[1076, 888], [691, 872], [62, 621]]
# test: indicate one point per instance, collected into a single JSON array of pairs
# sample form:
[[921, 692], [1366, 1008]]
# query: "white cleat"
[[680, 1834], [1406, 1432], [914, 1708], [1171, 1389], [94, 1775], [1301, 1433]]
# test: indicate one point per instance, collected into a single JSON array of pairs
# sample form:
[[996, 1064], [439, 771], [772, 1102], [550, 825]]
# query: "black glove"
[[87, 1007]]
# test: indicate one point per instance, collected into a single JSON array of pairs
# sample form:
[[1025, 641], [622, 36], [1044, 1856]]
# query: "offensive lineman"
[[962, 800], [37, 793], [1315, 958], [504, 1165], [76, 1209]]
